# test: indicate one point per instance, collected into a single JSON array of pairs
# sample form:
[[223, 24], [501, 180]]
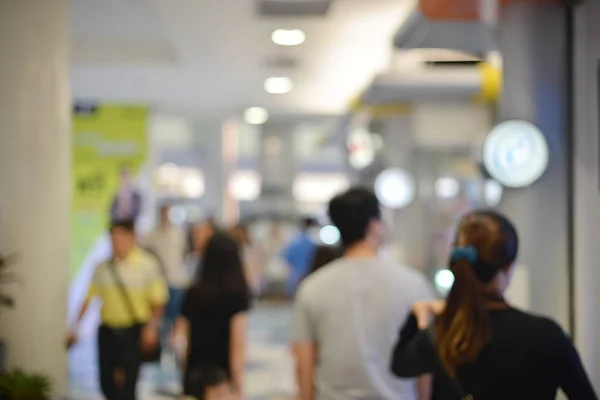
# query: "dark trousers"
[[119, 354]]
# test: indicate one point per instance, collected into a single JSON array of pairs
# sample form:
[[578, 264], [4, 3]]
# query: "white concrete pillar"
[[229, 159], [35, 181], [209, 140], [278, 167], [398, 152], [534, 48], [587, 185]]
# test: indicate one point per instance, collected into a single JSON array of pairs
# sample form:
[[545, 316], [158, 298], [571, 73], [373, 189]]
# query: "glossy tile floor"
[[269, 373]]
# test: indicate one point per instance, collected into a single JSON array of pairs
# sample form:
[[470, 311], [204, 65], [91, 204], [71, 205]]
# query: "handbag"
[[457, 387], [147, 357]]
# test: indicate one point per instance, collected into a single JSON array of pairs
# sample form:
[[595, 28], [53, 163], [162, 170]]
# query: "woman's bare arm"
[[237, 350], [180, 338]]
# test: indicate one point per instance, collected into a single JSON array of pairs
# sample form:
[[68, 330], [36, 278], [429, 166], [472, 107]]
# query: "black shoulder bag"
[[147, 357], [458, 389]]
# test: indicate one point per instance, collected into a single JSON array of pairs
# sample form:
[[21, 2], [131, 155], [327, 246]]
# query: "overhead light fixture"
[[395, 188], [245, 185], [444, 280], [167, 174], [256, 116], [192, 185], [179, 182], [361, 149], [279, 85], [288, 37], [492, 193], [318, 188], [447, 188]]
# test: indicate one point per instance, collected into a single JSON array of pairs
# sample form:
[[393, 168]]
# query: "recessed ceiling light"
[[278, 85], [256, 115], [245, 185], [288, 37]]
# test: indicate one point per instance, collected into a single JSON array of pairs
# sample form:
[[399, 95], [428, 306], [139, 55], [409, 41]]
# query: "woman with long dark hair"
[[478, 345], [214, 316]]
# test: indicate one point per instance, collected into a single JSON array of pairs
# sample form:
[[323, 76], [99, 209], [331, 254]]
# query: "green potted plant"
[[18, 385], [6, 276]]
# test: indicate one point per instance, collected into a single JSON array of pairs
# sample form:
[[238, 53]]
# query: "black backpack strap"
[[123, 291], [461, 393]]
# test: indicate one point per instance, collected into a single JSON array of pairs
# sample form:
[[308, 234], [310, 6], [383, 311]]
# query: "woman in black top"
[[479, 345], [214, 316]]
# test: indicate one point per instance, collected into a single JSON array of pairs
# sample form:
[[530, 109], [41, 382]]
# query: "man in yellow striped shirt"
[[133, 293]]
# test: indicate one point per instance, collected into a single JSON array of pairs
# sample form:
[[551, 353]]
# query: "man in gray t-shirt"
[[348, 315]]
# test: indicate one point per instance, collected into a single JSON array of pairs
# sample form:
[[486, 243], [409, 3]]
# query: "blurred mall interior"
[[259, 111]]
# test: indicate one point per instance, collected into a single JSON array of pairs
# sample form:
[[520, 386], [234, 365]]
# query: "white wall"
[[443, 125], [587, 185]]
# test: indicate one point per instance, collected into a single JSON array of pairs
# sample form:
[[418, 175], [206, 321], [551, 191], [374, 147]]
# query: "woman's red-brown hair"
[[464, 328]]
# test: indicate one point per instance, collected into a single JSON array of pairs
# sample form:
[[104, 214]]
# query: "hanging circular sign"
[[361, 152], [515, 153]]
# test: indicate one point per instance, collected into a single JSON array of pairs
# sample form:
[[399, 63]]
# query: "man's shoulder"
[[409, 278], [103, 265], [402, 271], [389, 270], [412, 281], [145, 259], [324, 276]]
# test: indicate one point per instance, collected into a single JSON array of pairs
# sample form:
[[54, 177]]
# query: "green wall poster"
[[109, 147]]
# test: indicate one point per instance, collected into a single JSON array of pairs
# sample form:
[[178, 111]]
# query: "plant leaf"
[[18, 385]]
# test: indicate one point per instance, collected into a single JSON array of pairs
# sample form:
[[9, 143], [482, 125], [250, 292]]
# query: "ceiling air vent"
[[457, 63], [447, 58], [293, 8]]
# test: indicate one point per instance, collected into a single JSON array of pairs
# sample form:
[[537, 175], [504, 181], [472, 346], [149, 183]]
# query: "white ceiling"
[[207, 57]]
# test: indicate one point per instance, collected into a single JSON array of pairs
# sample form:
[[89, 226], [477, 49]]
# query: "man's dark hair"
[[128, 225], [352, 211]]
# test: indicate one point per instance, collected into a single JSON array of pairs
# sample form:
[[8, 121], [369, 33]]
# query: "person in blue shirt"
[[298, 255]]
